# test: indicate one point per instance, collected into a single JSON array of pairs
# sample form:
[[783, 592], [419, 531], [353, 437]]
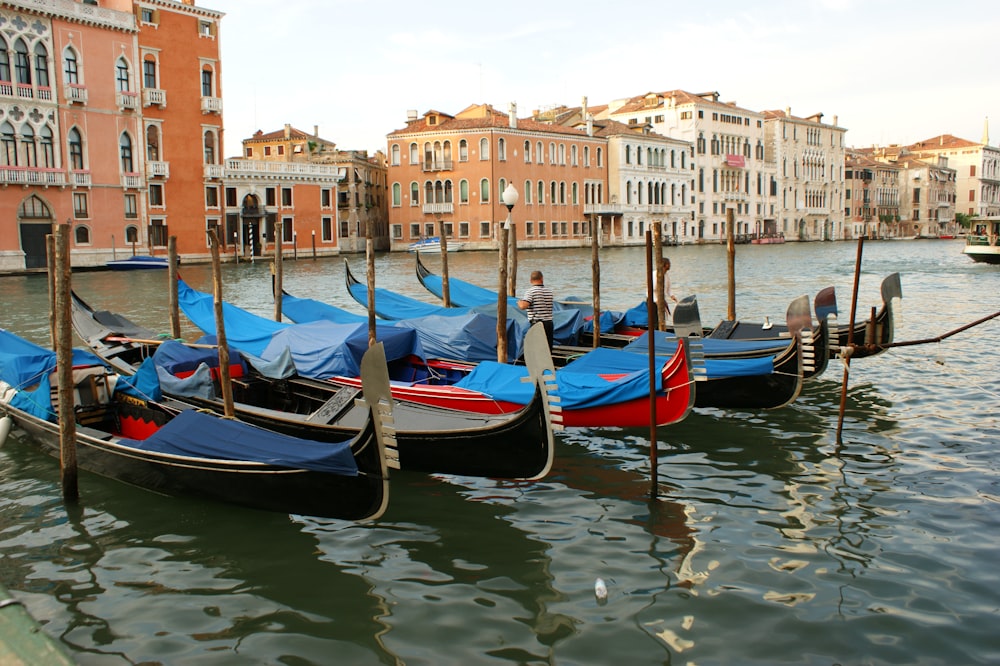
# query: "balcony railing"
[[128, 100], [76, 94], [438, 165], [15, 175], [602, 209], [214, 171], [439, 208], [158, 169], [211, 105], [80, 178], [132, 181], [154, 97]]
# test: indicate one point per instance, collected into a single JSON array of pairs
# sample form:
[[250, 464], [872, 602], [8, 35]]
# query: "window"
[[131, 207], [325, 198], [286, 196], [527, 152], [484, 149], [71, 67], [231, 196], [484, 190], [287, 230], [463, 151], [414, 194], [484, 229], [80, 207], [156, 194], [209, 146], [158, 232], [267, 150], [121, 75], [149, 73], [29, 155], [414, 231], [132, 234], [22, 67], [527, 192], [82, 234], [153, 143], [463, 191], [125, 152], [397, 195], [4, 62], [326, 233], [501, 149], [206, 28], [211, 197], [146, 15], [397, 232], [394, 155], [414, 154], [207, 83], [463, 229], [46, 145], [41, 66]]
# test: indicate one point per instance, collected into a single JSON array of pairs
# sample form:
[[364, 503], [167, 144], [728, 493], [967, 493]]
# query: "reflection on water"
[[769, 541]]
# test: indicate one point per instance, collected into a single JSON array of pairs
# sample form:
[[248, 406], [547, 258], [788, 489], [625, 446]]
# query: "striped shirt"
[[539, 299]]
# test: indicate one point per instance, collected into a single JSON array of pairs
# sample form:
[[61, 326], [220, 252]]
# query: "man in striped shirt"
[[537, 302]]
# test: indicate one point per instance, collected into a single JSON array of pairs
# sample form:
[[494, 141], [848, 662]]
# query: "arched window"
[[29, 152], [552, 153], [541, 193], [574, 153], [75, 149], [463, 191], [4, 61], [122, 75], [553, 192], [463, 151], [628, 154], [501, 149], [41, 66], [600, 158], [501, 186], [484, 149], [22, 66], [9, 143], [131, 234], [539, 154], [82, 234], [527, 152], [125, 151], [394, 153], [429, 192], [562, 154], [562, 192], [527, 186], [628, 191], [153, 143], [71, 66], [397, 194], [586, 156], [414, 192], [209, 147], [484, 189], [576, 193], [47, 147], [414, 154]]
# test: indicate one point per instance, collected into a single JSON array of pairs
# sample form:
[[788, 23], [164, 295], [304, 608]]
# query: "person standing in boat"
[[537, 303]]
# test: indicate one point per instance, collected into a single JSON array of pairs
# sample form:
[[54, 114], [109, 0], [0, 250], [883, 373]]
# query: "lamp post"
[[510, 197]]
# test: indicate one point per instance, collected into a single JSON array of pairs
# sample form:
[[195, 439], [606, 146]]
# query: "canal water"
[[770, 541]]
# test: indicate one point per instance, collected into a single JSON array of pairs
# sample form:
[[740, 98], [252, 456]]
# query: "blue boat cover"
[[302, 310], [319, 349], [603, 379], [394, 306], [195, 434], [666, 343], [629, 360], [176, 357]]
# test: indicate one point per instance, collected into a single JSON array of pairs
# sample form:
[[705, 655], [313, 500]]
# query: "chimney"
[[513, 115], [316, 131], [590, 124], [835, 121], [411, 115], [288, 131], [788, 112], [583, 103]]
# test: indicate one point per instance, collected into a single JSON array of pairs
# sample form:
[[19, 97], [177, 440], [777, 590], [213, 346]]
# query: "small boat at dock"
[[138, 262], [433, 246]]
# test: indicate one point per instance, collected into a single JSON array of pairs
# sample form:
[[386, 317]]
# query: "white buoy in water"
[[5, 425], [600, 590]]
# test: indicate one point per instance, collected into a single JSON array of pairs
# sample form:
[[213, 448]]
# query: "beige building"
[[977, 171], [872, 197], [807, 200]]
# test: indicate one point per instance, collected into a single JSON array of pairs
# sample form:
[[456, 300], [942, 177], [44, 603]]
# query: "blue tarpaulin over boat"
[[302, 310], [193, 434], [319, 349]]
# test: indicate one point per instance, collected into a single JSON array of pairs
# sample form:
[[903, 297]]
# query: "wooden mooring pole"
[[64, 366], [651, 339]]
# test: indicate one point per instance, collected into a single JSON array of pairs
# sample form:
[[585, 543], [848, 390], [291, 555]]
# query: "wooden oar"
[[143, 341]]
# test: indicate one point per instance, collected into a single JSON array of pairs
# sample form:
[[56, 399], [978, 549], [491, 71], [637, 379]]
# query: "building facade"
[[872, 197], [111, 122], [453, 169], [977, 171]]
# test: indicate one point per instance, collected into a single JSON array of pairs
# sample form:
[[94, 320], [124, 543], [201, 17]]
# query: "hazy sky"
[[892, 71]]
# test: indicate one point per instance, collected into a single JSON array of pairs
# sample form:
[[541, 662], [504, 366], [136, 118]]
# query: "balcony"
[[438, 165], [76, 94], [154, 97], [439, 208], [14, 175], [80, 178], [132, 181], [211, 105], [158, 169], [214, 171], [128, 101], [613, 208]]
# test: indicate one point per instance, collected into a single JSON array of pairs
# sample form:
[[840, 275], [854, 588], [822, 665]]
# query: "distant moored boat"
[[137, 262], [433, 245]]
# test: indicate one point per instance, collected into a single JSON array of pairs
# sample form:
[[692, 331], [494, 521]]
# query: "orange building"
[[454, 169], [110, 119]]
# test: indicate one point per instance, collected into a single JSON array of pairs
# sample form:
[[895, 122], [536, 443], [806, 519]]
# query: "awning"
[[735, 161]]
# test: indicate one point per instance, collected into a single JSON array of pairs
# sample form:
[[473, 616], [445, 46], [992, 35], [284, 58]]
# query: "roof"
[[942, 142], [477, 117], [653, 100]]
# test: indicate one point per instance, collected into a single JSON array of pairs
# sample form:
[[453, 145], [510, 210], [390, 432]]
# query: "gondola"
[[516, 445], [123, 432]]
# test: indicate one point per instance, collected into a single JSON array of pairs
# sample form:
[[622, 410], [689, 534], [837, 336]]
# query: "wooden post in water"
[[314, 244], [661, 303], [370, 277], [225, 380], [50, 262], [279, 271], [512, 261], [172, 300], [64, 366], [731, 264], [445, 287], [651, 339], [510, 197], [595, 278], [849, 349]]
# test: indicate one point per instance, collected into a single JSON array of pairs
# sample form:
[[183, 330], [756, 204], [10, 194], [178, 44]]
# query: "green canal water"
[[770, 541]]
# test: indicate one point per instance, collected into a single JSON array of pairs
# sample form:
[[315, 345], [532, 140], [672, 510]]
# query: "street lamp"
[[510, 197]]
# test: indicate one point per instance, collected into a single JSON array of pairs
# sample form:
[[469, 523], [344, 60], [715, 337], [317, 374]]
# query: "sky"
[[891, 71]]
